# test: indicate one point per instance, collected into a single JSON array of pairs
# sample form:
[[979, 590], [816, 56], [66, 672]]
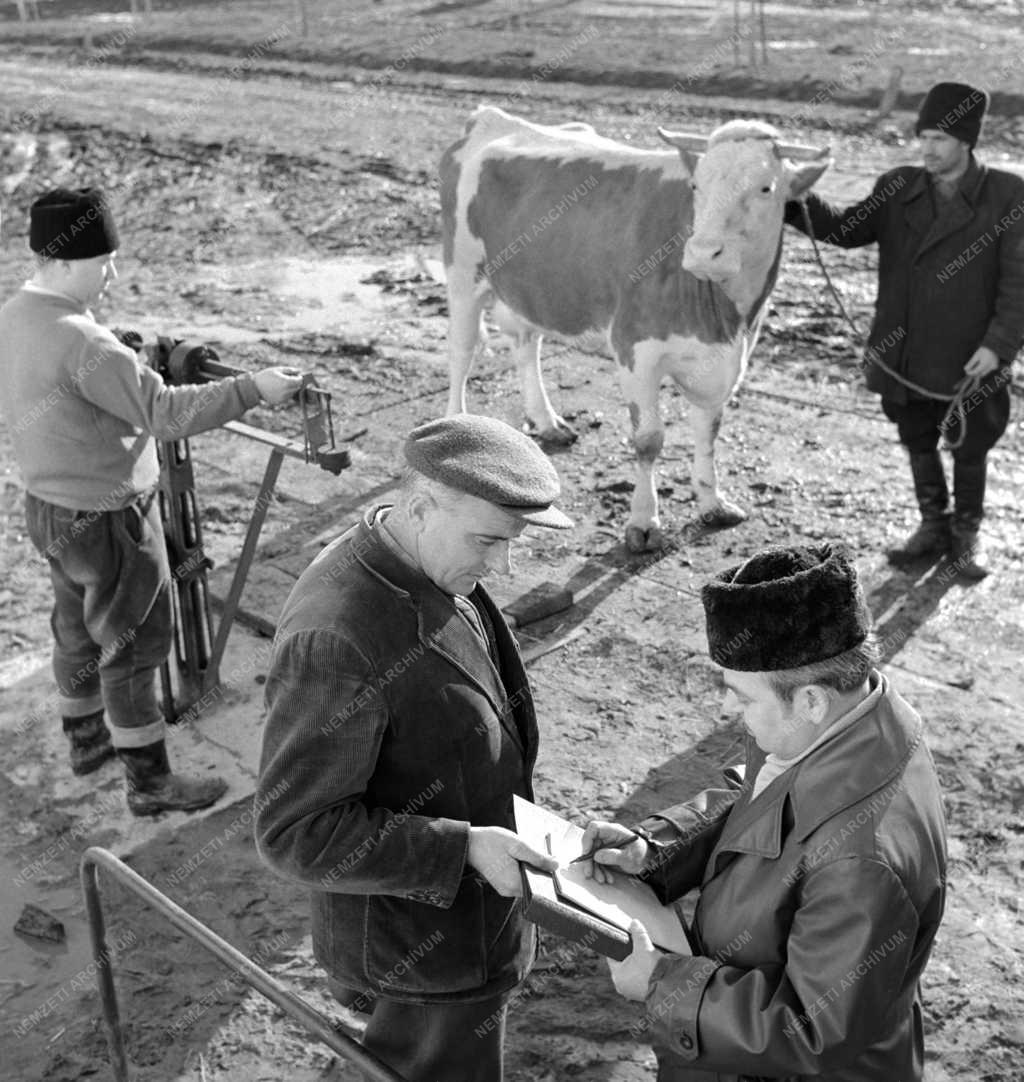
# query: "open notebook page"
[[617, 902]]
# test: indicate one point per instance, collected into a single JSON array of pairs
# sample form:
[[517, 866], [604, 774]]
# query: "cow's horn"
[[798, 152], [699, 143], [684, 140]]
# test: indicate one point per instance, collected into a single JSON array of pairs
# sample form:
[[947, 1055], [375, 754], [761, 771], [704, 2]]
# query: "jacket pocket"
[[417, 948]]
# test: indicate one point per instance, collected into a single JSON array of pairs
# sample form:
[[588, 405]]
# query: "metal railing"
[[291, 1004]]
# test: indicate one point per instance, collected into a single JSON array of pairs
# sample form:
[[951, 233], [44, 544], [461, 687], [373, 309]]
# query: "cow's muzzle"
[[712, 260]]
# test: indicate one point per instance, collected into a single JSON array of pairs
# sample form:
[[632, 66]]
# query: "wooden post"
[[736, 24], [752, 38], [890, 94], [764, 32]]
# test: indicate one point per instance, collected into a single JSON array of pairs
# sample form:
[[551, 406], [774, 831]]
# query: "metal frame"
[[200, 649], [345, 1046]]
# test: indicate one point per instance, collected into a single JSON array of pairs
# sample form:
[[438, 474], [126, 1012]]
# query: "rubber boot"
[[90, 742], [152, 788], [933, 536], [967, 553]]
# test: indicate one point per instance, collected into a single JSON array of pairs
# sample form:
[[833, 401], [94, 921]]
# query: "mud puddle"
[[38, 975], [244, 302]]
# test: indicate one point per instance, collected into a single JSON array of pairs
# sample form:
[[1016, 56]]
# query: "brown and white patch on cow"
[[671, 255]]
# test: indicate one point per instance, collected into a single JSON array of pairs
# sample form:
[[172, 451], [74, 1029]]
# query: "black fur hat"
[[956, 109], [784, 608], [72, 223]]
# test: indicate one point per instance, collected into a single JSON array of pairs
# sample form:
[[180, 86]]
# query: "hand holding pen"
[[609, 845]]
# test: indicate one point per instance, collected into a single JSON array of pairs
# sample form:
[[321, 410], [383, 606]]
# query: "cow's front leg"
[[546, 424], [640, 388], [715, 510]]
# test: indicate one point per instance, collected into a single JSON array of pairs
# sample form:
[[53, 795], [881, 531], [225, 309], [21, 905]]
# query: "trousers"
[[987, 413], [111, 617], [436, 1042]]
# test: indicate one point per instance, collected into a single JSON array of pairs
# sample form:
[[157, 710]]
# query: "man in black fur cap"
[[950, 305], [822, 880], [82, 411]]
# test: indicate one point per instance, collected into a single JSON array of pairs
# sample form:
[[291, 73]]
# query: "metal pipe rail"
[[291, 1004]]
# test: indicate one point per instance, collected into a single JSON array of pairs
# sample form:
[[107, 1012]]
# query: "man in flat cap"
[[950, 305], [82, 411], [822, 880], [399, 727]]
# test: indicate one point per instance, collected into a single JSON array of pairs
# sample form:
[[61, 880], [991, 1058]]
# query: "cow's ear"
[[803, 177]]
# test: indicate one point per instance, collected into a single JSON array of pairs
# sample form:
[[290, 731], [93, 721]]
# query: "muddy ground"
[[291, 218]]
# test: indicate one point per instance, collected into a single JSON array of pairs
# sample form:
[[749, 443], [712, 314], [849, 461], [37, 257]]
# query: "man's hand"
[[983, 361], [496, 852], [277, 385], [632, 976], [625, 851]]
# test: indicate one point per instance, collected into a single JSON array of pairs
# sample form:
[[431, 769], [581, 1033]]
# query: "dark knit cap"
[[70, 223], [955, 109], [784, 608], [487, 458]]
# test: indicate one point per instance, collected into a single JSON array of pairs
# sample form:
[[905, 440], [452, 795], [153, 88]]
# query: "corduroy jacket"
[[819, 902], [945, 286], [389, 732]]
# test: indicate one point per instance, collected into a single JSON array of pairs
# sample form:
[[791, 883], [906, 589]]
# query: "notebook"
[[568, 903]]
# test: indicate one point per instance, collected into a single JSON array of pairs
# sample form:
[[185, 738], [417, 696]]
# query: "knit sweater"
[[82, 408]]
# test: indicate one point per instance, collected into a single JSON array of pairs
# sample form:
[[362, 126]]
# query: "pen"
[[597, 849]]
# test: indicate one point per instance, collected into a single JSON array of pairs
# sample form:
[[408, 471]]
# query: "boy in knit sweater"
[[83, 411]]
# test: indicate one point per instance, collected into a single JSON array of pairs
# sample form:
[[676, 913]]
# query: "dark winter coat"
[[389, 732], [818, 905], [945, 286]]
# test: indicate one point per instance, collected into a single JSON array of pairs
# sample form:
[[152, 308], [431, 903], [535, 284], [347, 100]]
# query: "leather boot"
[[967, 553], [933, 535], [152, 788], [90, 742]]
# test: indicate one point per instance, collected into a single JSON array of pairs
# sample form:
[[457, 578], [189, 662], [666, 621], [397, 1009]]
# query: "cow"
[[568, 232]]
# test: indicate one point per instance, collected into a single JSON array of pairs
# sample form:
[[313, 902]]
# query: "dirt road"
[[291, 221]]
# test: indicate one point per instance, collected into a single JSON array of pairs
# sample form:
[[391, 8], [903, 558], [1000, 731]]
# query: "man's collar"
[[33, 287], [843, 721], [862, 759], [379, 554], [968, 184], [859, 759]]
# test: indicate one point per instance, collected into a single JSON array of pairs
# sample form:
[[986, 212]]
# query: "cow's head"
[[740, 187]]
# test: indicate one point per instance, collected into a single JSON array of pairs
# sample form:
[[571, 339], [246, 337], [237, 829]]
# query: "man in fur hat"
[[822, 880], [950, 305], [83, 411]]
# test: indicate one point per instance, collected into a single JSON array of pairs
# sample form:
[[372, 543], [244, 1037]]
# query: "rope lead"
[[956, 413]]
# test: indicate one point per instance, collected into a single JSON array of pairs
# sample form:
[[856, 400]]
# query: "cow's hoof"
[[560, 435], [723, 515], [639, 540]]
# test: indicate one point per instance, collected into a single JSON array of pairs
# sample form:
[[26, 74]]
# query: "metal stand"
[[252, 974], [198, 649], [190, 593]]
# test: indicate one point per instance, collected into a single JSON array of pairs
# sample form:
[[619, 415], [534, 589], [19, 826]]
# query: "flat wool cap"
[[72, 223], [785, 608], [489, 459], [956, 109]]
